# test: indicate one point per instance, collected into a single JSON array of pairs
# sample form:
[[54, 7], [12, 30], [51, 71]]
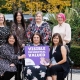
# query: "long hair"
[[16, 44], [22, 19], [41, 42], [4, 19], [60, 39]]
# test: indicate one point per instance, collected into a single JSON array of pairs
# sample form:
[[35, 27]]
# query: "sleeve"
[[52, 31], [13, 28], [68, 33], [28, 33], [47, 33], [6, 53]]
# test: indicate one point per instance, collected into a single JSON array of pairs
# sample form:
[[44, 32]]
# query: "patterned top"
[[44, 30], [7, 57], [4, 32], [35, 72], [19, 32]]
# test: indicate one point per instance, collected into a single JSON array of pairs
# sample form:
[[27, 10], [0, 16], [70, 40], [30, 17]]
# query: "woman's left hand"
[[52, 65], [12, 64]]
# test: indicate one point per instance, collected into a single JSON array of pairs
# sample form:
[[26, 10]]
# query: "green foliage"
[[75, 55], [52, 20], [73, 19]]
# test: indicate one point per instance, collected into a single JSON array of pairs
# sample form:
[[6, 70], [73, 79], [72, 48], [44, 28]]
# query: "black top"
[[58, 57], [4, 32]]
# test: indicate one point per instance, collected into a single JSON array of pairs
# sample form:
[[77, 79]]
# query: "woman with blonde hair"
[[4, 30]]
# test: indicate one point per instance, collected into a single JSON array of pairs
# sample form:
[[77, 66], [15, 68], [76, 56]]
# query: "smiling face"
[[1, 19], [56, 40], [36, 39], [11, 40], [60, 19], [18, 17], [38, 18]]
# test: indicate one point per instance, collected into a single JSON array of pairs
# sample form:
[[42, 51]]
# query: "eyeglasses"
[[59, 17]]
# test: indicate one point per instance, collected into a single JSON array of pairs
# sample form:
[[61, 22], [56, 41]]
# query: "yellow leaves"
[[60, 3], [34, 5]]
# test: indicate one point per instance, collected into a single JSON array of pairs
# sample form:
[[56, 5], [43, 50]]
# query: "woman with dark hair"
[[4, 30], [36, 72], [40, 42], [18, 28], [9, 57], [58, 58]]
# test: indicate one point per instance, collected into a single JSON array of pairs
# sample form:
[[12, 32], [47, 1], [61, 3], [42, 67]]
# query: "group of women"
[[37, 33]]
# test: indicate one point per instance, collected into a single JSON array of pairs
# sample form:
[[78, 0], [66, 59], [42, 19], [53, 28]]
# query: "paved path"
[[75, 75]]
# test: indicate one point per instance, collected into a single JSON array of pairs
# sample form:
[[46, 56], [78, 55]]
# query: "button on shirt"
[[64, 30]]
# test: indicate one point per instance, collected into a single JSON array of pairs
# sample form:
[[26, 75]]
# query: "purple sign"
[[36, 55]]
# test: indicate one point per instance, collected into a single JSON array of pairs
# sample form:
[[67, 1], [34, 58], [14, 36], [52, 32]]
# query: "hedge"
[[75, 55]]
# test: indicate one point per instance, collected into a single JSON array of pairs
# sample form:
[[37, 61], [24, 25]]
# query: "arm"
[[67, 38], [52, 31], [8, 54], [28, 33], [64, 57], [13, 28], [47, 33]]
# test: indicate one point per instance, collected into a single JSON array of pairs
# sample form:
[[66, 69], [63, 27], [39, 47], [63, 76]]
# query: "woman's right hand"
[[22, 56]]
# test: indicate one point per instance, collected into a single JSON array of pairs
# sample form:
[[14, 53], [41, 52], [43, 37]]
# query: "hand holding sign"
[[38, 54]]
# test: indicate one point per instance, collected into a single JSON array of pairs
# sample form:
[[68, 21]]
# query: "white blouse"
[[64, 30]]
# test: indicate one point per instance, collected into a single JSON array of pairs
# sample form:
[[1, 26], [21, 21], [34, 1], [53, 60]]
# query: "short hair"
[[60, 39], [38, 12], [62, 15], [41, 42]]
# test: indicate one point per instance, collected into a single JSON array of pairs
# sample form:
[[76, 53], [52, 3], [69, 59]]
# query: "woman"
[[41, 27], [4, 30], [63, 29], [9, 57], [58, 57], [36, 72], [18, 28]]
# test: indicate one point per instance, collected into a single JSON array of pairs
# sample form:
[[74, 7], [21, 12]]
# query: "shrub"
[[75, 55]]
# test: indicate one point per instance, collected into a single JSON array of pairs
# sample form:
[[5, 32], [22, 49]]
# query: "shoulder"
[[6, 28], [45, 23], [29, 44], [3, 46], [63, 48], [13, 24], [55, 27], [66, 24], [32, 23]]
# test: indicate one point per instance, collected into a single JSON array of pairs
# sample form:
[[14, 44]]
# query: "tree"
[[31, 6]]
